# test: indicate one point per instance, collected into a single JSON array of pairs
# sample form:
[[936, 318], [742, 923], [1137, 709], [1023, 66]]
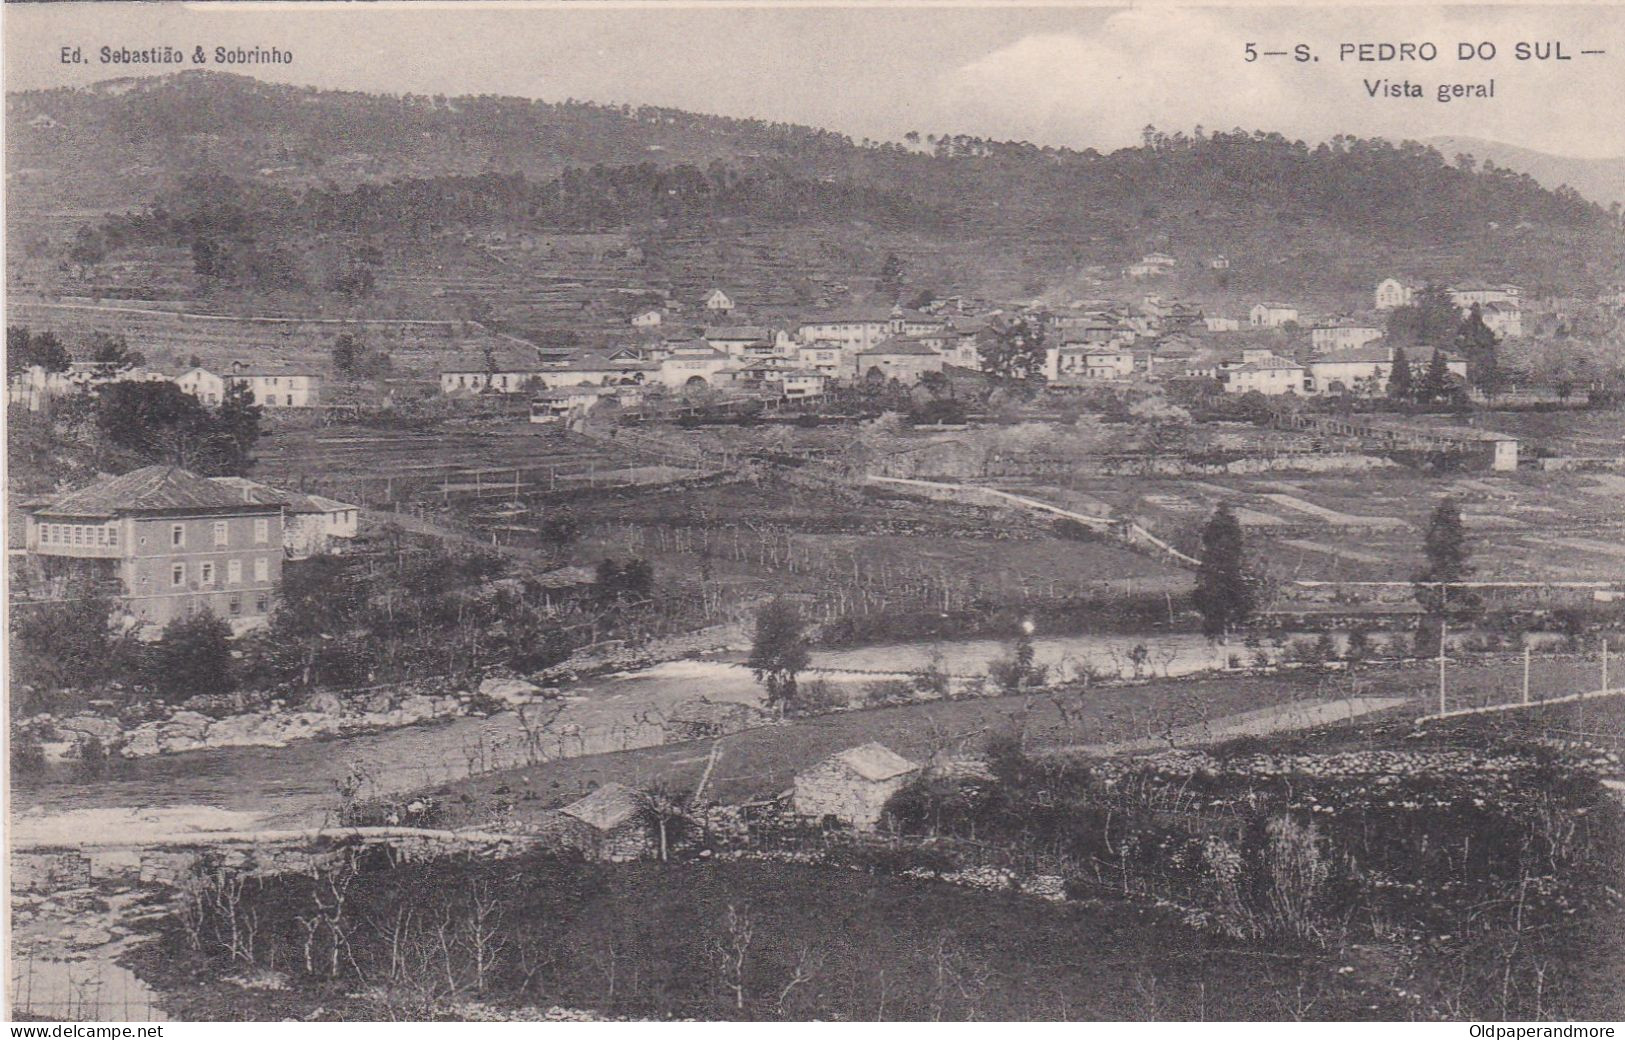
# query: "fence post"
[[1526, 653]]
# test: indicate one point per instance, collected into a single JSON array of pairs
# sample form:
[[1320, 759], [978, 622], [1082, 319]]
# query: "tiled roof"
[[606, 808], [1371, 352], [297, 502], [875, 762], [750, 332], [151, 489], [899, 345]]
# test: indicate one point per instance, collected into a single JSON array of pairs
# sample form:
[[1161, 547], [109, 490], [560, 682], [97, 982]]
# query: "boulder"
[[324, 701], [244, 731], [418, 707], [142, 741], [92, 937], [103, 729], [193, 723], [509, 691], [378, 703]]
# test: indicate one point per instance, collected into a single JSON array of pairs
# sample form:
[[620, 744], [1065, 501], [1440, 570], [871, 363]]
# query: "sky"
[[1080, 76]]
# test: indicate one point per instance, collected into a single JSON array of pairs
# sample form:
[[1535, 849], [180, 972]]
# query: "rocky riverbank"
[[222, 721]]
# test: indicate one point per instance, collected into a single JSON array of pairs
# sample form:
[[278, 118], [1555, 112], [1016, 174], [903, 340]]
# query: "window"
[[236, 605], [234, 571], [207, 575], [112, 535], [262, 569], [177, 574], [177, 535], [220, 532], [262, 532], [260, 603], [101, 536]]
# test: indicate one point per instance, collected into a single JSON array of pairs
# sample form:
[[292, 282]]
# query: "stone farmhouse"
[[853, 786]]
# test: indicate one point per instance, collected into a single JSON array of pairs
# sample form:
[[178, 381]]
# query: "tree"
[[346, 353], [1224, 592], [24, 349], [111, 349], [237, 421], [64, 644], [159, 422], [1013, 349], [1476, 341], [1431, 319], [193, 656], [1400, 386], [1446, 552], [317, 605], [779, 652], [1436, 385]]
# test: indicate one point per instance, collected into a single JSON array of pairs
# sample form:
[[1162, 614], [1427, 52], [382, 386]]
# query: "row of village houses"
[[1156, 341], [1104, 341], [270, 388]]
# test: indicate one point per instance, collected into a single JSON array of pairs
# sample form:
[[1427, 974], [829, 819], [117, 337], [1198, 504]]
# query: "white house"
[[719, 301], [1342, 335], [1215, 323], [1272, 315], [203, 385], [648, 319], [1082, 362], [799, 384], [1363, 370], [1464, 296], [311, 524], [693, 364], [853, 786], [1391, 293], [740, 341], [281, 388], [820, 357], [1269, 376], [859, 330], [1503, 319], [903, 358]]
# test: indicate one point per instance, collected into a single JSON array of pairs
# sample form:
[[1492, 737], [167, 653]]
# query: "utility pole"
[[1605, 662], [1526, 652], [1443, 626]]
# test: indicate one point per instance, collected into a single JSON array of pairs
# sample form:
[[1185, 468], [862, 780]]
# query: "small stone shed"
[[606, 824], [853, 786]]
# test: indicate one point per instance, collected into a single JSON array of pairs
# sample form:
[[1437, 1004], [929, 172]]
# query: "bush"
[[888, 692], [193, 656], [817, 697]]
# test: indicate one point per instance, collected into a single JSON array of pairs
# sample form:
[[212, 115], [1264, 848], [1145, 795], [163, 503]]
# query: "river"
[[297, 785]]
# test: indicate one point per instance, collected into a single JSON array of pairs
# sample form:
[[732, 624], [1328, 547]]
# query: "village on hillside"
[[588, 618]]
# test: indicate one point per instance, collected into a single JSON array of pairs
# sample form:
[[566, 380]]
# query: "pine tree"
[[1399, 379], [1436, 380], [1224, 592], [1446, 551]]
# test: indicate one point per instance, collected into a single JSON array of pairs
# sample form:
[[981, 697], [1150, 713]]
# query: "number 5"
[[1252, 52]]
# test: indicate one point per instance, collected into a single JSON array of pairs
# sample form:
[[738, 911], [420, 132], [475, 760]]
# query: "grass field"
[[1369, 526], [760, 763]]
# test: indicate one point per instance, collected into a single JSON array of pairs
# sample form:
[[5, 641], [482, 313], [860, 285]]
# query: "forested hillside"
[[257, 183]]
